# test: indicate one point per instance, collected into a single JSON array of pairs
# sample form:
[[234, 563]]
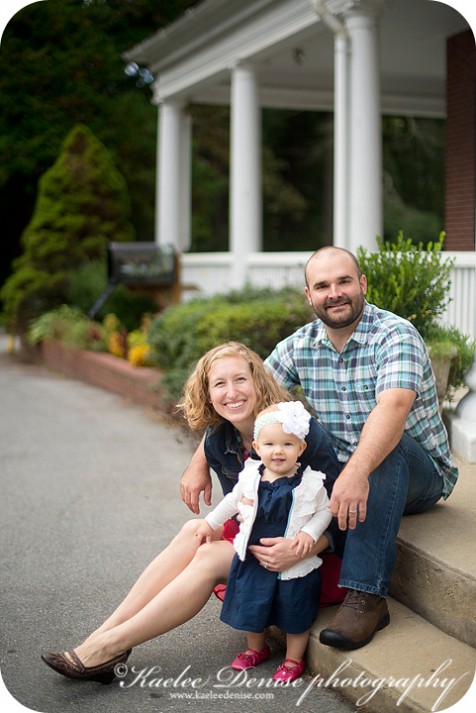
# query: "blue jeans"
[[406, 482]]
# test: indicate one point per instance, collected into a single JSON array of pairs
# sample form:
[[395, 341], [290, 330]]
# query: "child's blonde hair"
[[195, 404]]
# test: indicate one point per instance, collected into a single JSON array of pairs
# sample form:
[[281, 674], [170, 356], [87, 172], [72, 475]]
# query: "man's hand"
[[348, 501]]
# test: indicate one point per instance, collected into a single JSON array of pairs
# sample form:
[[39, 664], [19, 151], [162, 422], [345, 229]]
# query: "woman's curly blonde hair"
[[195, 404]]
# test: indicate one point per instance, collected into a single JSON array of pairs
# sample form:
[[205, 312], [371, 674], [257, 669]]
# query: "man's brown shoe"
[[358, 618]]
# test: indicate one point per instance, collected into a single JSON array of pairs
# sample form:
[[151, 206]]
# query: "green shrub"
[[130, 306], [258, 318], [87, 284], [53, 324], [408, 279], [28, 293], [86, 334], [172, 334], [413, 281], [69, 325]]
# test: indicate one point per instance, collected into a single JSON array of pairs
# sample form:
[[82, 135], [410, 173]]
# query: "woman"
[[228, 387]]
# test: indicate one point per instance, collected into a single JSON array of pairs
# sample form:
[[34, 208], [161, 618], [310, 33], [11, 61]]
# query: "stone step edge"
[[436, 591], [410, 666]]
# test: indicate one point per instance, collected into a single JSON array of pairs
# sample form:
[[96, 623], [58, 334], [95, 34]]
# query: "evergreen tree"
[[61, 65], [82, 204]]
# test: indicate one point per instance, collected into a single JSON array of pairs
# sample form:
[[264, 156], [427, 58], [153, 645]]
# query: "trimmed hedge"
[[259, 319]]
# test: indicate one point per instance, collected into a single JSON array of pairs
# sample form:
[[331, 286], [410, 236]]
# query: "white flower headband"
[[293, 416]]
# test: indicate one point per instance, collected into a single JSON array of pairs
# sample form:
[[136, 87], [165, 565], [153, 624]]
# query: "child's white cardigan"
[[309, 512]]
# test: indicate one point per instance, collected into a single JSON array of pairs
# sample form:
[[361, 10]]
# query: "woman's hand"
[[276, 553], [195, 480]]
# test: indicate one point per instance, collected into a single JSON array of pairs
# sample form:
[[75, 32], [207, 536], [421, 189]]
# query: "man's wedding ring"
[[352, 512], [266, 565]]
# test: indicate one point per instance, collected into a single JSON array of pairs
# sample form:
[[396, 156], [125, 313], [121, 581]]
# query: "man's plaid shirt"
[[384, 352]]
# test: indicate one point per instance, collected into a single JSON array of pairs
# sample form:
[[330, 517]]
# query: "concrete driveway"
[[89, 496]]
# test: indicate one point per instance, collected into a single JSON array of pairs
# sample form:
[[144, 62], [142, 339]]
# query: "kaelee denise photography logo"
[[228, 683]]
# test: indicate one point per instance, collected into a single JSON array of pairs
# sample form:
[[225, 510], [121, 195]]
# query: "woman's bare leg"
[[157, 575], [179, 601]]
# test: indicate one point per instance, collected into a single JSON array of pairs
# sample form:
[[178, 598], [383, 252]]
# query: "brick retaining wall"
[[140, 384]]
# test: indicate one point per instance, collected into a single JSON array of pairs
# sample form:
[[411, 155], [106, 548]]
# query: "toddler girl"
[[275, 497]]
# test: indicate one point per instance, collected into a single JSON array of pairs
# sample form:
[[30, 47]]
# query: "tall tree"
[[61, 65], [82, 204]]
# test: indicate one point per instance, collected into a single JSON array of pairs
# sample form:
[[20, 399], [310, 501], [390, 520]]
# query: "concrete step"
[[435, 574], [426, 659], [410, 666]]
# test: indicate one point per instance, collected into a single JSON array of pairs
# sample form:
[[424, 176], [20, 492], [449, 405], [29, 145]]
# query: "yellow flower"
[[139, 355], [136, 338], [116, 345]]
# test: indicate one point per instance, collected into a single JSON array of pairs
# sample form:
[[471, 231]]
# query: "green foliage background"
[[90, 280], [61, 65]]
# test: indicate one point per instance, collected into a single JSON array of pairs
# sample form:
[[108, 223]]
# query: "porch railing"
[[210, 273]]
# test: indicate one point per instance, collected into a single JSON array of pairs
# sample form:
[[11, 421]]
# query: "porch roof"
[[291, 50]]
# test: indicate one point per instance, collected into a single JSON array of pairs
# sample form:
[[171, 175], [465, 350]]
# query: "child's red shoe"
[[250, 658], [289, 670]]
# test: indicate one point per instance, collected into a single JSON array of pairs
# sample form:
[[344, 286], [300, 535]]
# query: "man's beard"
[[356, 309]]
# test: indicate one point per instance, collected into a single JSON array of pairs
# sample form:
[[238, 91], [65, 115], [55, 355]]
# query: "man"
[[367, 374]]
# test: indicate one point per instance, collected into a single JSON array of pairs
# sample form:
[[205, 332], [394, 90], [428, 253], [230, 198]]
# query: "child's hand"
[[204, 532], [242, 505], [302, 543]]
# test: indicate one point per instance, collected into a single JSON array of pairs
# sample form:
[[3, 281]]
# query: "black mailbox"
[[146, 265], [139, 264]]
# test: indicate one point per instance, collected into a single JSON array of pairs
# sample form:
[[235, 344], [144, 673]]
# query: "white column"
[[341, 153], [341, 121], [170, 179], [245, 170], [185, 237], [365, 186]]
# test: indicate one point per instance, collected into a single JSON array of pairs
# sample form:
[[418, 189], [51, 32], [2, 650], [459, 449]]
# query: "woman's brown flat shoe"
[[74, 668]]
